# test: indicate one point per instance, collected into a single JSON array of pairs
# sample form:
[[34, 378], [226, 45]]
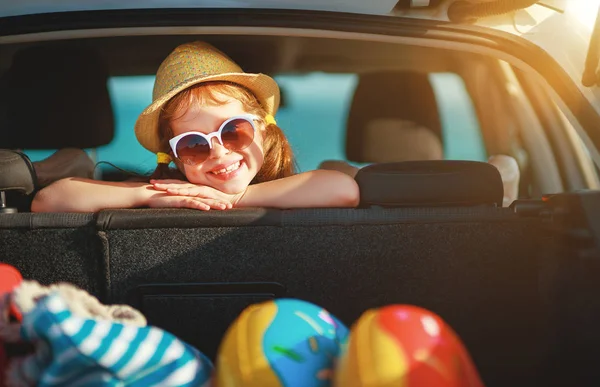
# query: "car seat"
[[393, 117], [56, 97]]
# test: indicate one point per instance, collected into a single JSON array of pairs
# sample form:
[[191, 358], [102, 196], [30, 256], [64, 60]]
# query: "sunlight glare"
[[584, 11]]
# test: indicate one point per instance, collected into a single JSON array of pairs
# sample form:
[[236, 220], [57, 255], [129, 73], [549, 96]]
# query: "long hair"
[[278, 157]]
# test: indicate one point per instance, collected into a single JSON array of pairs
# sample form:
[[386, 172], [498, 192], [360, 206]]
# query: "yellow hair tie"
[[163, 158], [270, 120]]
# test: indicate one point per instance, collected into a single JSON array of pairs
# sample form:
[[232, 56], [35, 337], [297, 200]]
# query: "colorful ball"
[[284, 342], [10, 278], [404, 346]]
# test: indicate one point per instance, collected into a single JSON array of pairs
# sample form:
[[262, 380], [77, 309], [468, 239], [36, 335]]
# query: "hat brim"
[[264, 88]]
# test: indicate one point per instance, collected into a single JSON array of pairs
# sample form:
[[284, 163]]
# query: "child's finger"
[[214, 204], [183, 191], [183, 202], [178, 202], [195, 204], [167, 181], [201, 203], [196, 191], [171, 185]]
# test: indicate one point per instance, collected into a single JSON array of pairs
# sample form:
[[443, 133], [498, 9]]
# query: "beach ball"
[[404, 346], [10, 279], [283, 342]]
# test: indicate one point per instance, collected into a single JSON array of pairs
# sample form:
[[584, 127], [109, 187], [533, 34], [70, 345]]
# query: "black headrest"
[[400, 95], [430, 183], [56, 97], [16, 172]]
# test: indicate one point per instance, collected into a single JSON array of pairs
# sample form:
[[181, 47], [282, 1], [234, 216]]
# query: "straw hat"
[[194, 63]]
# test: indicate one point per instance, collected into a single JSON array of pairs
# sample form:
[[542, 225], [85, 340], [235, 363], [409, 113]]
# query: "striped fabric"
[[76, 351]]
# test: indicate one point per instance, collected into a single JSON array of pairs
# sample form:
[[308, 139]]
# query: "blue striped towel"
[[76, 351]]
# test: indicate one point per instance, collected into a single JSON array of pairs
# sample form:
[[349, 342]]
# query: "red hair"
[[278, 157]]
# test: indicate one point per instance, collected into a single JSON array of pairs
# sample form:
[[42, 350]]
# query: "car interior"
[[516, 283]]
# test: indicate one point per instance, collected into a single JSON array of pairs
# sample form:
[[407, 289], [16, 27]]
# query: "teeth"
[[230, 168]]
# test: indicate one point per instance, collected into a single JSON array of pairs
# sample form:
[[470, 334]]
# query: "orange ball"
[[405, 346]]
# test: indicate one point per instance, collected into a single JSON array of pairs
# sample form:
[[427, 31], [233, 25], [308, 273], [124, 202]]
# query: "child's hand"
[[193, 191], [165, 200]]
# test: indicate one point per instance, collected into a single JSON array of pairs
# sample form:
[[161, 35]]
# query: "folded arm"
[[85, 195], [310, 189], [318, 188]]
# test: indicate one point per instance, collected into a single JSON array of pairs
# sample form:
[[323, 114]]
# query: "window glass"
[[313, 116], [317, 106], [461, 132], [582, 153], [129, 96]]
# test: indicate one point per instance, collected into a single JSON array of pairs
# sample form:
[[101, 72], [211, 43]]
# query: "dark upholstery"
[[18, 181], [402, 95], [56, 97], [16, 172], [512, 287], [473, 266], [53, 248], [430, 183]]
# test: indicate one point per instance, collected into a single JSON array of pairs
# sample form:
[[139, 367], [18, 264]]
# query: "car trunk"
[[517, 284]]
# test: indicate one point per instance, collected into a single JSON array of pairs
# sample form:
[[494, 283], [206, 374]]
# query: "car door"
[[567, 31]]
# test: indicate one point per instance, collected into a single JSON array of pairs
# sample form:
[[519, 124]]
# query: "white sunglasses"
[[234, 134]]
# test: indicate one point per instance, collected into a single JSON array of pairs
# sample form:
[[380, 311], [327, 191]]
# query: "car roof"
[[26, 7], [561, 28]]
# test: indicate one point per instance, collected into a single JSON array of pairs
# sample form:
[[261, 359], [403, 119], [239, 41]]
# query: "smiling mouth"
[[232, 168]]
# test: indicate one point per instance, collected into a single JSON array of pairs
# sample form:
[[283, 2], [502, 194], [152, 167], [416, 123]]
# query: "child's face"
[[243, 165]]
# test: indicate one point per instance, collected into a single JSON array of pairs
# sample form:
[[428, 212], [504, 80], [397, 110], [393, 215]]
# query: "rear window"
[[460, 127], [313, 117]]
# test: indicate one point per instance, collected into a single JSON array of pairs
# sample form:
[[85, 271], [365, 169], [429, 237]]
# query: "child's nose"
[[217, 150]]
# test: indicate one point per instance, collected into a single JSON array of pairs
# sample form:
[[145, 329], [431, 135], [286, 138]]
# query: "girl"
[[216, 124]]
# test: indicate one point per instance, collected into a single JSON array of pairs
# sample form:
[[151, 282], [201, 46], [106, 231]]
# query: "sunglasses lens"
[[193, 149], [237, 134]]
